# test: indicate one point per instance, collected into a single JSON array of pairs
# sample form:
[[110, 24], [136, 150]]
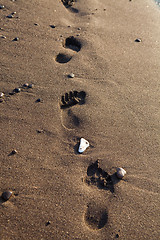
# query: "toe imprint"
[[72, 98]]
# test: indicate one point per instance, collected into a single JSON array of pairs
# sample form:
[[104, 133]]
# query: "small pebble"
[[6, 195], [1, 100], [52, 26], [138, 40], [39, 131], [1, 94], [13, 13], [1, 6], [14, 151], [38, 100], [120, 173], [48, 223], [71, 75], [30, 85], [16, 39], [79, 28], [36, 24], [17, 90], [4, 37], [10, 16], [25, 85]]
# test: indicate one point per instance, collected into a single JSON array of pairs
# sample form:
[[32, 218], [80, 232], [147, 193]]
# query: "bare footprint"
[[63, 58], [96, 176], [96, 216], [69, 5], [73, 43], [70, 120], [68, 100]]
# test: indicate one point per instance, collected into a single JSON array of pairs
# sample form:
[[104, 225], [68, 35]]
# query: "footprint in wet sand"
[[73, 43], [96, 216], [69, 5], [96, 176], [68, 100], [63, 58]]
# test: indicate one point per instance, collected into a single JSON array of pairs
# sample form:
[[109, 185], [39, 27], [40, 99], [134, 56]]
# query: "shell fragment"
[[84, 144]]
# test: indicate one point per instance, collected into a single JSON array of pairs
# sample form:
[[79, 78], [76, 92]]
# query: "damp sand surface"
[[112, 101]]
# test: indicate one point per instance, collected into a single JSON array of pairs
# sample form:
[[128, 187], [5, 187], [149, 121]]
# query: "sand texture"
[[112, 100]]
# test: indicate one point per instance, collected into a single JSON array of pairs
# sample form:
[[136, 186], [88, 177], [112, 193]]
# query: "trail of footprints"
[[96, 216], [71, 42]]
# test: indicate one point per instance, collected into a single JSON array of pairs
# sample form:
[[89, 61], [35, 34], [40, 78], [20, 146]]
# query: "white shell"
[[84, 144], [1, 94], [71, 75], [120, 173]]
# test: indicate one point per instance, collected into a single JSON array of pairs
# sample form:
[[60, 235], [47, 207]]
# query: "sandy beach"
[[71, 70]]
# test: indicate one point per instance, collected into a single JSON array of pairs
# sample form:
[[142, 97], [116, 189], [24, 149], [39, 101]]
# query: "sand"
[[57, 193]]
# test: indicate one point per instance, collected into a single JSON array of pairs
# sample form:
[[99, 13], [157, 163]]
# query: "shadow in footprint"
[[72, 98], [96, 216], [63, 58], [69, 5], [98, 177], [70, 120], [73, 43]]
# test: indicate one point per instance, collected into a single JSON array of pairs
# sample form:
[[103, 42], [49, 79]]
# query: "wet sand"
[[57, 192]]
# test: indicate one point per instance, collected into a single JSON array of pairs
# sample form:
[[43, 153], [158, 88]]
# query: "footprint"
[[72, 98], [68, 100], [69, 5], [70, 120], [73, 43], [96, 176], [63, 58], [95, 216]]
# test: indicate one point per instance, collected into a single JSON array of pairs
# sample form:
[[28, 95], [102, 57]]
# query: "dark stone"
[[25, 85], [38, 100], [14, 151], [48, 223], [15, 39], [30, 85], [138, 40], [52, 26], [17, 90], [10, 16], [6, 195]]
